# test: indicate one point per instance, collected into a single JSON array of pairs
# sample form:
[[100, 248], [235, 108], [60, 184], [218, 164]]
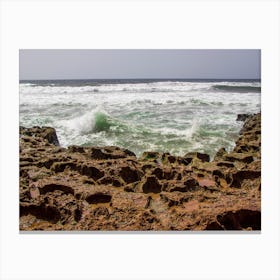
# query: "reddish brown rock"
[[108, 188]]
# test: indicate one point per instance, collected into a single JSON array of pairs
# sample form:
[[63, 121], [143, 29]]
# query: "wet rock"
[[242, 117]]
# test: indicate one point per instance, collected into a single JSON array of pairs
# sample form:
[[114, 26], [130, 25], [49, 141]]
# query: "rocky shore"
[[108, 188]]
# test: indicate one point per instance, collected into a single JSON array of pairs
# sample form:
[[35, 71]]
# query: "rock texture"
[[108, 188]]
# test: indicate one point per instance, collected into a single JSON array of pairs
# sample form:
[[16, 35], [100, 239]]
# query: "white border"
[[153, 24]]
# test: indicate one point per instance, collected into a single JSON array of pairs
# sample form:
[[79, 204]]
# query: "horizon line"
[[61, 79]]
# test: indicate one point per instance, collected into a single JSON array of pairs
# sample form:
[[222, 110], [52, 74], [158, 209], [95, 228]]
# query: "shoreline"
[[108, 188]]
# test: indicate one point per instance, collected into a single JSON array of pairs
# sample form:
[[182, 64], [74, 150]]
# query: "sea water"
[[175, 116]]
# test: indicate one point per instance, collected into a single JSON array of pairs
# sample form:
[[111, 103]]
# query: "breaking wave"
[[93, 121], [174, 116]]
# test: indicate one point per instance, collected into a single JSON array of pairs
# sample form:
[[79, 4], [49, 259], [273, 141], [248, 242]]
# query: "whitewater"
[[175, 116]]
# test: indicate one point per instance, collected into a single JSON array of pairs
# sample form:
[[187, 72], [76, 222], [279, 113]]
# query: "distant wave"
[[236, 88], [151, 87]]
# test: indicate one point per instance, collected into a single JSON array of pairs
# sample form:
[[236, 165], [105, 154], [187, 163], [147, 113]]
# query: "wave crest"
[[91, 122]]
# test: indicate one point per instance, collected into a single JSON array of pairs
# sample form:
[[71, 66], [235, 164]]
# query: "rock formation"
[[108, 188]]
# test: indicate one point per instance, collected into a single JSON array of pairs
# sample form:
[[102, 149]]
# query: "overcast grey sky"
[[125, 64]]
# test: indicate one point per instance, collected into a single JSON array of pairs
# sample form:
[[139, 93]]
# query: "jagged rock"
[[238, 176], [146, 167], [164, 173], [47, 133], [76, 149], [150, 156], [110, 152], [219, 155], [130, 175], [190, 156], [242, 157], [61, 166], [242, 117], [108, 188], [151, 185], [167, 158]]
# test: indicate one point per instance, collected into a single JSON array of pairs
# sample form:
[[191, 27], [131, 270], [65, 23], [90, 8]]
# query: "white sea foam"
[[175, 116]]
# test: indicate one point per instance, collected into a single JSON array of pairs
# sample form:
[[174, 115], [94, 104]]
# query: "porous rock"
[[108, 188]]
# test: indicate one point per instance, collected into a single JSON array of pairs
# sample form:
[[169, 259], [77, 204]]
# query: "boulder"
[[47, 133]]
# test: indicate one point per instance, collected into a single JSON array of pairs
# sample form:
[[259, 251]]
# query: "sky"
[[142, 64]]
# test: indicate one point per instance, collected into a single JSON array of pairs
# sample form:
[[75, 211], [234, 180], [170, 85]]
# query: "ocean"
[[175, 116]]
